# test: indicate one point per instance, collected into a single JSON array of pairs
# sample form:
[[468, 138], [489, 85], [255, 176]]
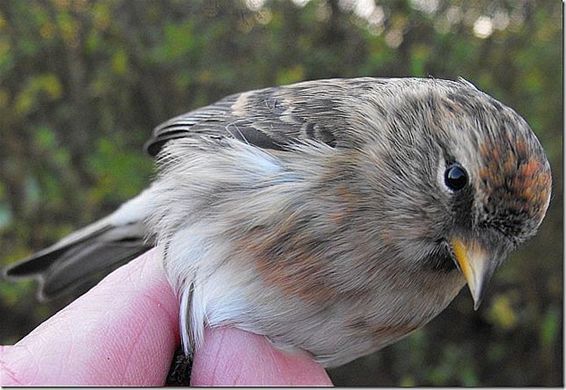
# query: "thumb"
[[231, 357]]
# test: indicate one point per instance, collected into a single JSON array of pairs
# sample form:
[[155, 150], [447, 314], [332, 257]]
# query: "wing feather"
[[270, 118]]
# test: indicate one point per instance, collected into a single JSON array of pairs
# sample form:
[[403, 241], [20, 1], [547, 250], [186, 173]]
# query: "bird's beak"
[[476, 264]]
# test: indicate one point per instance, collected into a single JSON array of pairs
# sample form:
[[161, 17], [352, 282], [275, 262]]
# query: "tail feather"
[[42, 260], [88, 254], [85, 264]]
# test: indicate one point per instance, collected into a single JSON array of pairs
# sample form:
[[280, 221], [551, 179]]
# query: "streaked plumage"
[[318, 213]]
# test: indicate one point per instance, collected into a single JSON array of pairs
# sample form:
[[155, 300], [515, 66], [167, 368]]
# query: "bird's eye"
[[455, 177]]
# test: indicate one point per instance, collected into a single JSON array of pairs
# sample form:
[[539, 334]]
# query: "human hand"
[[124, 332]]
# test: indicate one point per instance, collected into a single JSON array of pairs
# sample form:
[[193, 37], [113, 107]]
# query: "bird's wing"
[[271, 118]]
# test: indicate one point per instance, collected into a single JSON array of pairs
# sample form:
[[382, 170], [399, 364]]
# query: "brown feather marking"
[[289, 258], [514, 175]]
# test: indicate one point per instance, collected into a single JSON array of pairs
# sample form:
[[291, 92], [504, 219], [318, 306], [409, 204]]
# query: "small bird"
[[332, 216]]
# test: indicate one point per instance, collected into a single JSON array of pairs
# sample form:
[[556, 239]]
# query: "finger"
[[122, 332], [231, 357]]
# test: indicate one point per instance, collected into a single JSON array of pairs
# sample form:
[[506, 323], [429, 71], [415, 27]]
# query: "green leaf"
[[550, 327]]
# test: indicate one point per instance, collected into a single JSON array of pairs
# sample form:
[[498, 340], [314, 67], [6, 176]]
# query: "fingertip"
[[121, 332], [232, 357]]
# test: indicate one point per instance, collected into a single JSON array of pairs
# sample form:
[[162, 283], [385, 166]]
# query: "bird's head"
[[467, 179], [499, 180]]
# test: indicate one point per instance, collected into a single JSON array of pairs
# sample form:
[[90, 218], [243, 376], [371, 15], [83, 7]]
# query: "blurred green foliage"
[[82, 83]]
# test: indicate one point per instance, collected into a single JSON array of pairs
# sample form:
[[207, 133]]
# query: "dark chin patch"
[[441, 261]]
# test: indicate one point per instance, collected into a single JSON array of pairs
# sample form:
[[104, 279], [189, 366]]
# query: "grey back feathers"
[[276, 117]]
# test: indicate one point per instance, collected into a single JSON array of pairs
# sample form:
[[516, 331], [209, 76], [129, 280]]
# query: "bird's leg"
[[180, 370]]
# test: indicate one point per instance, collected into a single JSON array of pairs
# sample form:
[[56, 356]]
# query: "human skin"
[[124, 332]]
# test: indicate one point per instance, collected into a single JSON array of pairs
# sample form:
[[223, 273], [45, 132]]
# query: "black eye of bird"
[[455, 177]]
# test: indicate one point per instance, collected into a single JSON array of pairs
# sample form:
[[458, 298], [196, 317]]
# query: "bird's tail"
[[87, 255]]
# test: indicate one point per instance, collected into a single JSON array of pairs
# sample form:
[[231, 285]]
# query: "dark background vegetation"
[[82, 83]]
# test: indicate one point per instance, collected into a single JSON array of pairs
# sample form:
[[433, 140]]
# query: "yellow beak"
[[475, 263]]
